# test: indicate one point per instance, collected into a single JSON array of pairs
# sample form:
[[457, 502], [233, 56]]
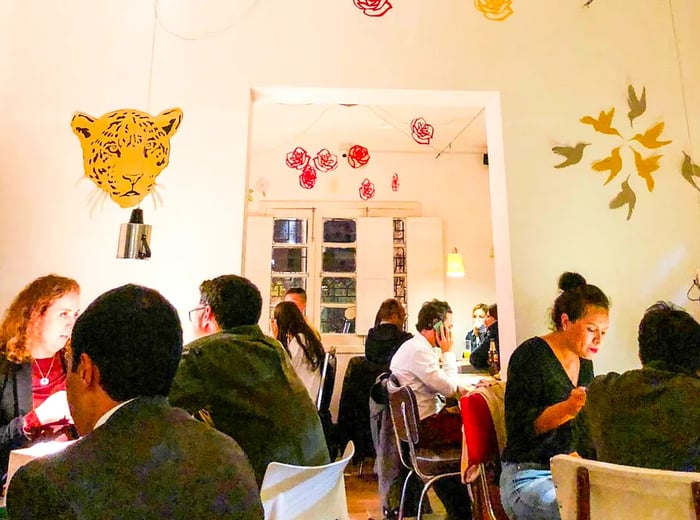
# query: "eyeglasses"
[[189, 313]]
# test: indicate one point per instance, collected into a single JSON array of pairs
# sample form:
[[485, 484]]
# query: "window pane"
[[338, 290], [339, 230], [339, 259], [289, 231], [338, 320], [288, 259], [279, 286]]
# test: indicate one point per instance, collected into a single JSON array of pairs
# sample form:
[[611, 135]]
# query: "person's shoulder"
[[603, 381], [532, 346]]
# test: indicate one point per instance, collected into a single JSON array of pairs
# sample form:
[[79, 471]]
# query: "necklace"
[[45, 377]]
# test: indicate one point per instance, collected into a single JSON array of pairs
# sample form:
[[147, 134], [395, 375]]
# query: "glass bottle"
[[494, 361]]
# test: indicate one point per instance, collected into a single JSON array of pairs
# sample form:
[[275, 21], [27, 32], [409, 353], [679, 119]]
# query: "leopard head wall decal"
[[125, 150]]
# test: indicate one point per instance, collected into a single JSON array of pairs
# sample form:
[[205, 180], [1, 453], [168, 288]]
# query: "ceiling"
[[458, 129]]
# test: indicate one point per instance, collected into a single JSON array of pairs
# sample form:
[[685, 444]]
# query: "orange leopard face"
[[125, 150]]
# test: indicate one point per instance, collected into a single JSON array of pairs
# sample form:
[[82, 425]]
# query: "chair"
[[588, 489], [483, 458], [291, 492], [430, 465], [325, 389], [323, 400], [353, 409]]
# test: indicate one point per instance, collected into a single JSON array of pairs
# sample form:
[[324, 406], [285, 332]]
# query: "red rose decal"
[[366, 190], [395, 182], [421, 131], [373, 7], [297, 158], [307, 179], [325, 161], [358, 156]]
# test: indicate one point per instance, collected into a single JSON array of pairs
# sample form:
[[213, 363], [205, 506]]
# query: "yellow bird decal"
[[572, 154], [604, 122], [612, 163], [645, 166], [650, 138], [625, 196]]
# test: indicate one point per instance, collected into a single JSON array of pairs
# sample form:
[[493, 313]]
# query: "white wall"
[[553, 62]]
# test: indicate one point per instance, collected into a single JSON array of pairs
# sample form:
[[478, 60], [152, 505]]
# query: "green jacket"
[[647, 418], [245, 382]]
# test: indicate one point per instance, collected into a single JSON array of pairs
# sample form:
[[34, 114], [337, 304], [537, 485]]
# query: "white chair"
[[588, 489], [291, 492]]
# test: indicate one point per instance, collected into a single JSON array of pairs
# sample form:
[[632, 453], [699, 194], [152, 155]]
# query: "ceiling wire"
[[680, 72]]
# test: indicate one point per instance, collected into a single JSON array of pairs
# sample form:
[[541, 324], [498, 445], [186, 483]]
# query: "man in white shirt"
[[417, 365]]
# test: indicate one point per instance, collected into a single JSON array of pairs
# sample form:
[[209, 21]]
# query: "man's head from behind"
[[233, 300], [126, 344], [298, 296], [669, 334]]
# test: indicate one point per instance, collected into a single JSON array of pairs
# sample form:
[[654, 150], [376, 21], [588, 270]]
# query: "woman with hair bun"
[[545, 390]]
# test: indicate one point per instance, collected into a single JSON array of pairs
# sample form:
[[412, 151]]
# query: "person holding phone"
[[545, 390], [416, 365]]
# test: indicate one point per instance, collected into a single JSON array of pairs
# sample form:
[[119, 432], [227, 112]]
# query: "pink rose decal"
[[297, 158], [325, 161], [307, 179], [395, 182], [358, 156], [373, 8], [421, 131], [366, 190]]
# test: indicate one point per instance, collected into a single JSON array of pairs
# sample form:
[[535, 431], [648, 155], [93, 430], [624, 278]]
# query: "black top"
[[536, 380], [479, 357], [382, 343]]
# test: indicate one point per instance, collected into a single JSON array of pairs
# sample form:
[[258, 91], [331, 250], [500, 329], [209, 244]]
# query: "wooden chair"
[[430, 465], [483, 455], [588, 489], [290, 492]]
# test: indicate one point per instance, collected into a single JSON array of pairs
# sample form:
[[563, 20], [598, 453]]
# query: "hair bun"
[[569, 281]]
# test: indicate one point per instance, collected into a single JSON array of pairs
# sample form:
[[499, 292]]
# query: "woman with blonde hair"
[[33, 334], [301, 343]]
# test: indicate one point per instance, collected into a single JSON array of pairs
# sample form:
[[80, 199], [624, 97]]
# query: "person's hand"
[[443, 337], [576, 400], [53, 409]]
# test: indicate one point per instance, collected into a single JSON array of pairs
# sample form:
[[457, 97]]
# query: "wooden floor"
[[363, 498]]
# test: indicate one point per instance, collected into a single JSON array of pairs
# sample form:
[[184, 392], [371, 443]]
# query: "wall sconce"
[[455, 264], [135, 238]]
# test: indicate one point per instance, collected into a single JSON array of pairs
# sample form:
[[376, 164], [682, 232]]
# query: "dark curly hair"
[[668, 333], [431, 312], [576, 294], [234, 300], [21, 321]]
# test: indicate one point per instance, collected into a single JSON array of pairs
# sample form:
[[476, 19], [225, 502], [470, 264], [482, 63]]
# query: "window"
[[339, 276]]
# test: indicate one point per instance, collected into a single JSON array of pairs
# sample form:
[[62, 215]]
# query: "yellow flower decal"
[[645, 161], [497, 10]]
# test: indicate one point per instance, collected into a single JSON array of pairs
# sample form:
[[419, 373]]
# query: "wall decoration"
[[395, 182], [307, 179], [297, 158], [690, 170], [625, 197], [421, 131], [496, 10], [604, 122], [638, 105], [373, 8], [366, 190], [358, 156], [325, 161], [125, 150], [571, 154], [645, 162]]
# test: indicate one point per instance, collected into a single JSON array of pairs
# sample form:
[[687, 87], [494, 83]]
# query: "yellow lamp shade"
[[455, 265]]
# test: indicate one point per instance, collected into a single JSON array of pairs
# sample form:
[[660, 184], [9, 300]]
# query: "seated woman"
[[545, 390], [33, 334], [299, 340]]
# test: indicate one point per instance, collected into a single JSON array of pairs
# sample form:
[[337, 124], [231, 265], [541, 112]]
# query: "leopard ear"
[[82, 124], [169, 120]]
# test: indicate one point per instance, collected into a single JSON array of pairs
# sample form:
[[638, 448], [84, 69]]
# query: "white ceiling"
[[457, 129]]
